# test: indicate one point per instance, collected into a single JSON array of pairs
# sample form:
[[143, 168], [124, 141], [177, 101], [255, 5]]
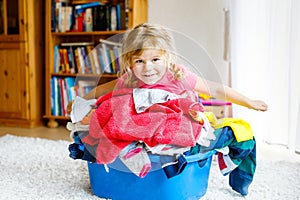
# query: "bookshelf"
[[62, 71]]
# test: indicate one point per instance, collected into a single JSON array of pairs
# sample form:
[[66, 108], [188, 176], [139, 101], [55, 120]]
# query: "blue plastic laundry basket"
[[120, 184]]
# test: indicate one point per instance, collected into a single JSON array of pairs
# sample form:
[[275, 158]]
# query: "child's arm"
[[228, 94], [101, 90]]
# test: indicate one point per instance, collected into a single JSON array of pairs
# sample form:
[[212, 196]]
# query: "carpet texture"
[[33, 168]]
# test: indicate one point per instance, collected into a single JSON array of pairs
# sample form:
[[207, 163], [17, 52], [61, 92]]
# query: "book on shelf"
[[65, 89], [95, 57], [82, 7], [113, 18], [91, 59], [56, 59], [53, 96], [55, 102], [117, 53], [111, 50], [104, 53], [85, 64], [84, 58], [66, 60], [62, 21], [71, 59], [64, 96], [61, 95], [70, 87], [100, 18], [85, 86], [104, 17], [53, 15]]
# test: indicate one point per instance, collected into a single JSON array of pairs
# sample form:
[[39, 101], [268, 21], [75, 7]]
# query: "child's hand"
[[69, 107], [258, 105], [87, 118]]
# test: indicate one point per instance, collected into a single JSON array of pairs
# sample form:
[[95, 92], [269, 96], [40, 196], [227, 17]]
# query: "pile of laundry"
[[131, 124]]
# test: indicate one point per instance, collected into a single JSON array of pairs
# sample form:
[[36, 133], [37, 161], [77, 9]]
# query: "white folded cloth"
[[80, 108]]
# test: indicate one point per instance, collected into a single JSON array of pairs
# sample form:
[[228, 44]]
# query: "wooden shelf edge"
[[85, 75], [87, 33], [74, 2], [56, 117]]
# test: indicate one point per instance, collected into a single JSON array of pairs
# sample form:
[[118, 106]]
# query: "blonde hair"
[[148, 36]]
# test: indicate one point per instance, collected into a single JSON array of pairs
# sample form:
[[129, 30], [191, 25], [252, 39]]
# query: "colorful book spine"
[[70, 84], [52, 97], [96, 61], [91, 59], [62, 92], [81, 7], [81, 61], [71, 59], [66, 61], [56, 59]]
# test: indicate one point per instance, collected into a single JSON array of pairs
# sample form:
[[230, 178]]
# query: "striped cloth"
[[239, 163]]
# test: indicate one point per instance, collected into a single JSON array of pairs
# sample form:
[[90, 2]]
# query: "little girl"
[[148, 63], [149, 60]]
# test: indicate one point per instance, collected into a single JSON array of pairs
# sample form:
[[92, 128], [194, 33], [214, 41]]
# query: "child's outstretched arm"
[[226, 93], [101, 90]]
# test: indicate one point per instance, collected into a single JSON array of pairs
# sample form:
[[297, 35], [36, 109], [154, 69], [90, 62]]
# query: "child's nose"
[[148, 65]]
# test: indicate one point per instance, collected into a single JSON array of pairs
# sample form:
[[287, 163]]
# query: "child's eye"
[[138, 61], [156, 59]]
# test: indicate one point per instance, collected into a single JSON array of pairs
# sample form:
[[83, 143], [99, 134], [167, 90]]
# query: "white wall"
[[198, 23], [294, 92]]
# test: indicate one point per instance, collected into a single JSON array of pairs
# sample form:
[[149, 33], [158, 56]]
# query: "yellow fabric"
[[241, 129], [204, 96]]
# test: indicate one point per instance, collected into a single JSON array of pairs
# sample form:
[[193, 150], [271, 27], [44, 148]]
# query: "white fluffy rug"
[[34, 168]]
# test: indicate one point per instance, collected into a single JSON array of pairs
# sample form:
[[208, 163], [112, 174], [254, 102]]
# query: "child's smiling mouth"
[[149, 75]]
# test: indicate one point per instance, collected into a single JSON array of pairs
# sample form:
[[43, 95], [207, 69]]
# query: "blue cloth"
[[78, 150]]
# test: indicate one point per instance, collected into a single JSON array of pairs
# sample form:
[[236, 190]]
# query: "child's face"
[[150, 66]]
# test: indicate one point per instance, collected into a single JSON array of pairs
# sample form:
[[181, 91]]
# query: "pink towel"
[[115, 124]]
